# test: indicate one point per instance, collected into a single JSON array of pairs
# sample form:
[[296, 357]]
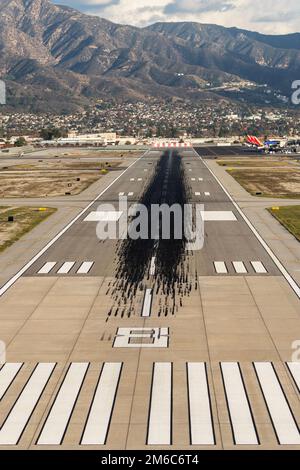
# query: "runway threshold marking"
[[58, 418], [283, 420], [160, 408], [8, 373], [15, 423], [241, 419], [294, 368], [293, 284], [25, 268], [100, 414], [100, 407], [200, 415]]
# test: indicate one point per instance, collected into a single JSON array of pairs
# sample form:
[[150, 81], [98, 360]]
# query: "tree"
[[20, 142], [52, 133]]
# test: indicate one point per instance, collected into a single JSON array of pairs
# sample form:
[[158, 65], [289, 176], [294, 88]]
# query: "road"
[[142, 344]]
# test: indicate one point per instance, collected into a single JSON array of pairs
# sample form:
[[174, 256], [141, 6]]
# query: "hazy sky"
[[269, 16]]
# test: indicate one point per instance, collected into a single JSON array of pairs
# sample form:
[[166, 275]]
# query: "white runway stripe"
[[62, 408], [66, 267], [206, 193], [239, 267], [238, 406], [47, 268], [131, 179], [283, 421], [85, 267], [220, 267], [160, 413], [193, 179], [200, 179], [294, 368], [130, 194], [258, 267], [8, 373], [121, 194], [201, 427], [98, 422], [14, 425], [140, 179], [146, 311], [152, 266], [197, 194], [218, 216]]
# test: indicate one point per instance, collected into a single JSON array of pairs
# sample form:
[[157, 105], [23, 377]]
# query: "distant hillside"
[[56, 58]]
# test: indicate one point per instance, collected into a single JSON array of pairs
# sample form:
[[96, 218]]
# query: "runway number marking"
[[141, 338]]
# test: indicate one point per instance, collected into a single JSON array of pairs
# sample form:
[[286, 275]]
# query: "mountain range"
[[56, 58]]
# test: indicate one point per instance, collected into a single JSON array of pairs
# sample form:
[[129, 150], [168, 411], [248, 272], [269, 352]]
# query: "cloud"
[[197, 6], [268, 16]]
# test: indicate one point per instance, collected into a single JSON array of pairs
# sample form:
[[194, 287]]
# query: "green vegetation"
[[52, 133], [24, 220], [289, 217], [20, 142]]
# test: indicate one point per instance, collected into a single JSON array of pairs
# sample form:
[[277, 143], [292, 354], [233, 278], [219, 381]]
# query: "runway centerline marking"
[[146, 310], [152, 266]]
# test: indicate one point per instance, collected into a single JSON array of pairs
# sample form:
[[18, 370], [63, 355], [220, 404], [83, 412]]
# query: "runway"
[[144, 344]]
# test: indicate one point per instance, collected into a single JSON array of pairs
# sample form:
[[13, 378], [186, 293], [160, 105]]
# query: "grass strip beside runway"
[[289, 217], [24, 220]]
